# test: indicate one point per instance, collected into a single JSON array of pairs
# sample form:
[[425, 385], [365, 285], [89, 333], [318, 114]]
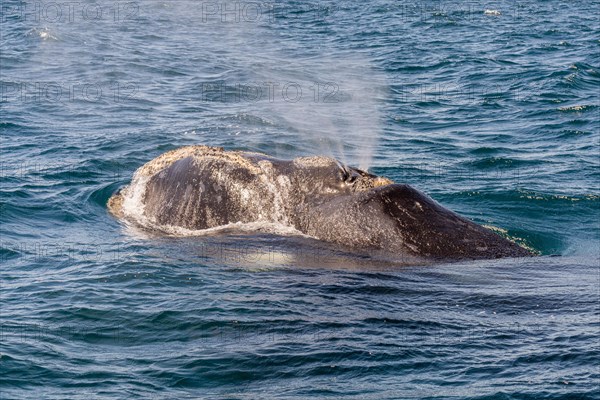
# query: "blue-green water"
[[495, 116]]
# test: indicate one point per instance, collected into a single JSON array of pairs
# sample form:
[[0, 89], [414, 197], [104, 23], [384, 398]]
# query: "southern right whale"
[[200, 187]]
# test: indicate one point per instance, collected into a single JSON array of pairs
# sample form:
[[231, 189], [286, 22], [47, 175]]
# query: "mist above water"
[[329, 101], [333, 107]]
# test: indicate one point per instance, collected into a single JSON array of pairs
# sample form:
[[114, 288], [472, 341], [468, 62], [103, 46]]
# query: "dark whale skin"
[[401, 219]]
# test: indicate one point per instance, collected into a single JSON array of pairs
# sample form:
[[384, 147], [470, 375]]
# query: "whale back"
[[201, 193]]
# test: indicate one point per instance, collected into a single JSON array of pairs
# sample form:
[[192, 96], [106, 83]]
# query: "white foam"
[[43, 33], [133, 206], [257, 226], [492, 12]]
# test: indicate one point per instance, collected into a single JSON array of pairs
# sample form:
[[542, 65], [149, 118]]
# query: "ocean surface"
[[491, 108]]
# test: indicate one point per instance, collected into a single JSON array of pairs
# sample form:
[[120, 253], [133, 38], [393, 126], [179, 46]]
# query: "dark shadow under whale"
[[200, 187]]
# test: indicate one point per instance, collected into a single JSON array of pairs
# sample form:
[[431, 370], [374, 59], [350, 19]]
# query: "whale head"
[[200, 187]]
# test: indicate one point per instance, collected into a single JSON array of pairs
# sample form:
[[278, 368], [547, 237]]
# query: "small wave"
[[575, 108], [531, 195], [515, 239], [492, 12], [43, 33]]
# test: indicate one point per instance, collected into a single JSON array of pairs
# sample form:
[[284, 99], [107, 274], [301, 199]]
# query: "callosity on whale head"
[[200, 187]]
